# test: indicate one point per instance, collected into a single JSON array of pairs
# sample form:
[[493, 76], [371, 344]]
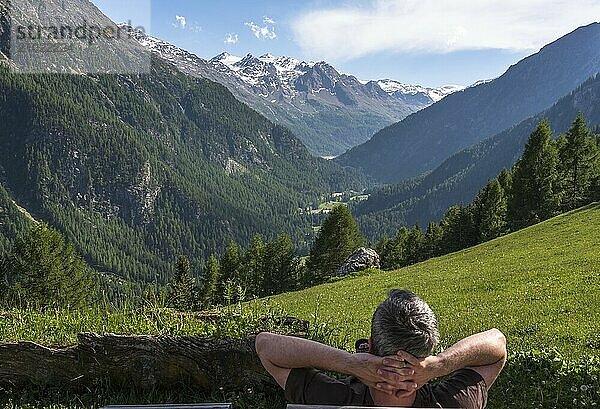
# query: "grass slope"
[[540, 286]]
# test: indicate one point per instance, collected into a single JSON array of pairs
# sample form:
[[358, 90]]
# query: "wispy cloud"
[[266, 31], [231, 38], [181, 22], [432, 26]]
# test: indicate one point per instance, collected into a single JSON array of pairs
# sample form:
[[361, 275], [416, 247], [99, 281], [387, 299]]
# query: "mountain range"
[[460, 177], [328, 110], [138, 169], [423, 140]]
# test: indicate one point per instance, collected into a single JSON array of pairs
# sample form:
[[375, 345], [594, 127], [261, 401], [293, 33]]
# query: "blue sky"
[[426, 42]]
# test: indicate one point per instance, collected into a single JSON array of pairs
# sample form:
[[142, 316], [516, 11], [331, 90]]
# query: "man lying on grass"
[[398, 368]]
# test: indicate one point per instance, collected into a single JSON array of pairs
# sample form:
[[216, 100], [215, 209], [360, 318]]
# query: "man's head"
[[403, 322]]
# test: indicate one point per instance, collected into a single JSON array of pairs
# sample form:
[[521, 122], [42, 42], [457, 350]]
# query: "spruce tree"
[[459, 228], [393, 253], [577, 152], [433, 240], [230, 271], [43, 269], [414, 246], [490, 211], [212, 278], [280, 267], [252, 268], [505, 180], [338, 237], [534, 196], [183, 287]]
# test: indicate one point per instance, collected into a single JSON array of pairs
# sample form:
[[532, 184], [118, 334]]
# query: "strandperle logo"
[[48, 38], [85, 32]]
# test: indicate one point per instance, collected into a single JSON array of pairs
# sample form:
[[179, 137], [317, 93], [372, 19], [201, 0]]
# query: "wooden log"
[[143, 362]]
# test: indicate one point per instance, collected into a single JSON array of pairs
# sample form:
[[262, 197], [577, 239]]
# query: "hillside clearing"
[[540, 286]]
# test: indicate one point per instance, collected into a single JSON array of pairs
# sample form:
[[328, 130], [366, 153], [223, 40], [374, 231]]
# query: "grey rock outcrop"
[[361, 259]]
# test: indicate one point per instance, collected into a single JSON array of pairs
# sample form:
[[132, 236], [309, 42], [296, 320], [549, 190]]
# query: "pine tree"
[[338, 237], [505, 180], [414, 246], [490, 211], [534, 190], [392, 252], [433, 240], [577, 152], [183, 287], [459, 229], [252, 269], [44, 270], [212, 278], [280, 267], [230, 271]]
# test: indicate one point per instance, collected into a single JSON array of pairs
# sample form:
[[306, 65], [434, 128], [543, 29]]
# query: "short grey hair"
[[404, 322]]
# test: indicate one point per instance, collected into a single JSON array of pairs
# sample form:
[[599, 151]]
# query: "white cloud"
[[196, 28], [181, 22], [231, 38], [267, 31], [434, 26]]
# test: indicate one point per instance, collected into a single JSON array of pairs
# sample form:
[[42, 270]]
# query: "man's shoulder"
[[465, 388]]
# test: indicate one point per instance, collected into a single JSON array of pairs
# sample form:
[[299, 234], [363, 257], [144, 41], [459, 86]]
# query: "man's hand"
[[484, 353], [374, 372], [424, 370]]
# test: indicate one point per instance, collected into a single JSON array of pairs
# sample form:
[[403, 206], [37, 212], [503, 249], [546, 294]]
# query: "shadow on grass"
[[43, 397]]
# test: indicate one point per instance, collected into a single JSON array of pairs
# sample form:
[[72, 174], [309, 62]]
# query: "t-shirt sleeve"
[[309, 386], [464, 389]]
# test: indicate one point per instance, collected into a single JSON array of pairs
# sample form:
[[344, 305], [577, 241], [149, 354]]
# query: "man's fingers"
[[408, 358], [403, 394], [404, 371], [386, 388], [394, 361], [407, 386]]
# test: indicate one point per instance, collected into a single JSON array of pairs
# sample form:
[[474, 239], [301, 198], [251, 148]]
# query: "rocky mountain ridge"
[[328, 110], [421, 142]]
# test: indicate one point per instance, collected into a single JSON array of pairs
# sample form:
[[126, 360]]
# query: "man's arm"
[[279, 354], [485, 353]]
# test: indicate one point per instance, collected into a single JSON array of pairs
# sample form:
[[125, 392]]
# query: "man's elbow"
[[261, 342], [500, 343]]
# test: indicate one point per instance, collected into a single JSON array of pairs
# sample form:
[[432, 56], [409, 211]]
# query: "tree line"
[[552, 176], [266, 268]]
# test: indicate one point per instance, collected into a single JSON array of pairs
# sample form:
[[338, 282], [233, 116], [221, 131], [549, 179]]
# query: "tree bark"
[[144, 362]]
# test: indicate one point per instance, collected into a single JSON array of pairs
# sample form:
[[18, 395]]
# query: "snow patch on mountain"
[[254, 70], [393, 88]]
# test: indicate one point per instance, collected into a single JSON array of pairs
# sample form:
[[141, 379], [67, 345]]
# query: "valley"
[[218, 197]]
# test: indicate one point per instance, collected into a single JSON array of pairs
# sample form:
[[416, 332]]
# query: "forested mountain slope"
[[139, 169], [328, 110], [460, 177], [425, 139]]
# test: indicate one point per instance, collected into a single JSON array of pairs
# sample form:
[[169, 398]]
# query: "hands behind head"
[[401, 374]]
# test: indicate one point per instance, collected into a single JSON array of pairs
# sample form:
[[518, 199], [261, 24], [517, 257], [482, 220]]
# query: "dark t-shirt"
[[464, 389]]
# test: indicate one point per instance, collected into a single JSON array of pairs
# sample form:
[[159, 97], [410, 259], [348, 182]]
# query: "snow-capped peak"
[[395, 87], [226, 58]]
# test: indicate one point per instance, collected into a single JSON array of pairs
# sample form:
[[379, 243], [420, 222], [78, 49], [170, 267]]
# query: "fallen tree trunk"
[[144, 362]]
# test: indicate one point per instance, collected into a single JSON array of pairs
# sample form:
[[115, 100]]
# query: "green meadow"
[[540, 286]]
